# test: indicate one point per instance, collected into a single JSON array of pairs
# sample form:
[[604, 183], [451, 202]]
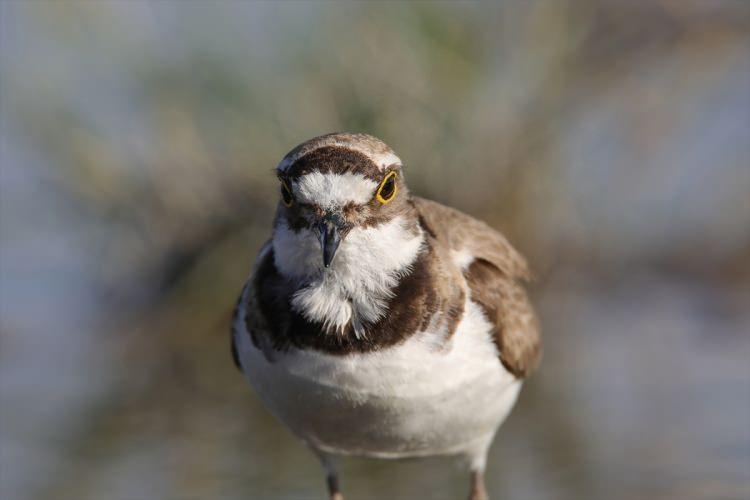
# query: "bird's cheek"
[[356, 216]]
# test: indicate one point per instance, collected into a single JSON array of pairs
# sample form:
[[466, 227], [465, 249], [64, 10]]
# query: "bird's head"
[[346, 229], [338, 185]]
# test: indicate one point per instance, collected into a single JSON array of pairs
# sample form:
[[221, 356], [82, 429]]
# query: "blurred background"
[[609, 140]]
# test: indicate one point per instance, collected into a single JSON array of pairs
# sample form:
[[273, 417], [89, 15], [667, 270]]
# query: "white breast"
[[422, 397]]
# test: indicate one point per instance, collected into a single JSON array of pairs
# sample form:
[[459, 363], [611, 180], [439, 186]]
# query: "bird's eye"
[[286, 194], [387, 190]]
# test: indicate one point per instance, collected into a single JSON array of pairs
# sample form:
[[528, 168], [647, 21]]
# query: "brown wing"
[[493, 278]]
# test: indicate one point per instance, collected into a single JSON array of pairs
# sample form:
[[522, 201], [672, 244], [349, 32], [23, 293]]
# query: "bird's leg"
[[333, 486], [332, 477], [478, 490]]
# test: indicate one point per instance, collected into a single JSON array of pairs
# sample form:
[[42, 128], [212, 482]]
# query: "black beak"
[[332, 228]]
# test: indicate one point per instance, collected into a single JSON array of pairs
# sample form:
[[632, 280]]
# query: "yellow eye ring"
[[287, 198], [388, 189]]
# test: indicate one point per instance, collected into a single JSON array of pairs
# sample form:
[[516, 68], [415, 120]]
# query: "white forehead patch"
[[333, 190]]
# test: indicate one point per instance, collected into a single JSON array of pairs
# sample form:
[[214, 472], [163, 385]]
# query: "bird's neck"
[[357, 287]]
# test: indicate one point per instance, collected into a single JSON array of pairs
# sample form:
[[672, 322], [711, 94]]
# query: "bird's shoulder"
[[460, 232], [494, 272]]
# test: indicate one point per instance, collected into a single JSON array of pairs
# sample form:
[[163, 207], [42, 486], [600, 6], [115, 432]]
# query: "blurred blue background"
[[609, 140]]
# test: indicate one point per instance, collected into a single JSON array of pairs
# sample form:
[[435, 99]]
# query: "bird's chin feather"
[[357, 287]]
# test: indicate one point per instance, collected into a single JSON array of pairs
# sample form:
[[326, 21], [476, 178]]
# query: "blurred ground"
[[609, 140]]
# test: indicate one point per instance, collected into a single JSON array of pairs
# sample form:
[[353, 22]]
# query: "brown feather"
[[493, 280], [459, 231]]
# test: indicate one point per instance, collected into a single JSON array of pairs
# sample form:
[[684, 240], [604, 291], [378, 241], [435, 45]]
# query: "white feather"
[[462, 258], [359, 283], [329, 190], [412, 399]]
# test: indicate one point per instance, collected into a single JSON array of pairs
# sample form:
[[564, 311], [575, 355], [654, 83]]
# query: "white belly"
[[417, 398]]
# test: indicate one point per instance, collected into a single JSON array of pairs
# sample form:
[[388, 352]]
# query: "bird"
[[380, 324]]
